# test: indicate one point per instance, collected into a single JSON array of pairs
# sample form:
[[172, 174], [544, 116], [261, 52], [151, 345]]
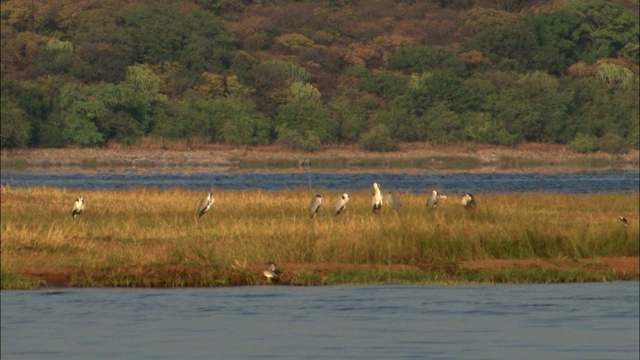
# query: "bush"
[[308, 142], [584, 143], [612, 144], [378, 139]]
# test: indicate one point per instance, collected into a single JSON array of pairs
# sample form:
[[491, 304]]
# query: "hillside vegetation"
[[308, 73]]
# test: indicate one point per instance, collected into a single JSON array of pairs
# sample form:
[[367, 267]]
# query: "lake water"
[[579, 183], [567, 321]]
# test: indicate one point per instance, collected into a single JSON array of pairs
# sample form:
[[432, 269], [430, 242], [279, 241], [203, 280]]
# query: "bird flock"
[[467, 201]]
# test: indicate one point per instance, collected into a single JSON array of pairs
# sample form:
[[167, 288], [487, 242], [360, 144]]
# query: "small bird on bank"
[[394, 201], [468, 201], [341, 204], [432, 201], [78, 207], [376, 200], [272, 272], [624, 220], [315, 204], [205, 204]]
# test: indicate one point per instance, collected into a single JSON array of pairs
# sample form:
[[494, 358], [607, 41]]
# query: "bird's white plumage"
[[393, 200], [78, 207], [315, 204], [272, 272], [205, 204], [433, 200], [468, 201], [376, 200], [341, 204]]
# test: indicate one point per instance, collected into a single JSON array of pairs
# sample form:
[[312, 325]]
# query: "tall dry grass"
[[147, 228]]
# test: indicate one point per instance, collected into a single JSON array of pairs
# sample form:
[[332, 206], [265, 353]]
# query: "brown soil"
[[184, 157], [624, 267]]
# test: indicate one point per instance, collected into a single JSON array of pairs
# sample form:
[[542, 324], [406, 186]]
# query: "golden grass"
[[131, 237]]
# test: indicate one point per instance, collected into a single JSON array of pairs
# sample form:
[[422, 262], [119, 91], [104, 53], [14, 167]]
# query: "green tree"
[[443, 125], [605, 29], [421, 59], [15, 128], [303, 117], [378, 139]]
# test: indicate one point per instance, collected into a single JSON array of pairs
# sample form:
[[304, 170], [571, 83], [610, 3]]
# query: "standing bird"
[[468, 201], [315, 204], [624, 220], [205, 204], [341, 204], [272, 272], [432, 202], [78, 207], [376, 200], [394, 201]]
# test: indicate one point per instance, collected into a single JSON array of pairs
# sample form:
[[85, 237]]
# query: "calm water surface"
[[585, 182], [569, 321]]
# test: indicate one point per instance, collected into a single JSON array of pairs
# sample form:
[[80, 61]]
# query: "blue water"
[[567, 321], [578, 183]]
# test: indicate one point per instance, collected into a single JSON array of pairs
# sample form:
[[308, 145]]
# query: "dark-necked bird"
[[205, 204], [376, 200], [394, 201], [341, 204], [315, 204], [468, 201], [272, 271], [78, 207], [624, 220], [433, 200]]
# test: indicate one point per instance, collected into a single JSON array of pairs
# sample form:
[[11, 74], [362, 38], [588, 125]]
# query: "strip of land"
[[410, 156]]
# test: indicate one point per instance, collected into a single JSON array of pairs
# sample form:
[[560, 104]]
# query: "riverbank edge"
[[473, 158], [494, 271]]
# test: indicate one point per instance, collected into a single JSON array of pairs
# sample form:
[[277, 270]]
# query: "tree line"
[[308, 73]]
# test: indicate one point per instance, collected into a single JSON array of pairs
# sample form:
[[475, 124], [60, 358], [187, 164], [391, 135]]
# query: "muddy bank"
[[416, 156]]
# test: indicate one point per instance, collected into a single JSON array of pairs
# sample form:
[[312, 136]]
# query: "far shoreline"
[[410, 157]]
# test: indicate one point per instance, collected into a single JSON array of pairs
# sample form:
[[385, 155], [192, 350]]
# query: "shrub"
[[584, 143], [378, 139]]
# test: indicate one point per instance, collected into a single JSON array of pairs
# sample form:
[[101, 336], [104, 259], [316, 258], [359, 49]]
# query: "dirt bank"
[[208, 157]]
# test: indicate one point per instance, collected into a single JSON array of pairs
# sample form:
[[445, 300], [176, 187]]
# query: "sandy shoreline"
[[218, 158]]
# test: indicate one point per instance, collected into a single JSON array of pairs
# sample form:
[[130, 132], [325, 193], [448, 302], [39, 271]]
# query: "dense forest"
[[307, 73]]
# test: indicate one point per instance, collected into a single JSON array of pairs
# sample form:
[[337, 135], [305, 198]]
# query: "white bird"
[[433, 200], [341, 204], [468, 201], [315, 204], [272, 272], [78, 207], [205, 204], [394, 201], [376, 200]]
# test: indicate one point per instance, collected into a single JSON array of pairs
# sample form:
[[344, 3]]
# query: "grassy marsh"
[[153, 238]]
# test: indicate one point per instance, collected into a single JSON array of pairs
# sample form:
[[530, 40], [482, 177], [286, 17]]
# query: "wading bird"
[[433, 200], [624, 220], [341, 204], [376, 200], [205, 204], [394, 201], [78, 207], [315, 204], [272, 272], [468, 201]]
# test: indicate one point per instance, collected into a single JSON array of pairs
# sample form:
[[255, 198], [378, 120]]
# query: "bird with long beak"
[[205, 204]]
